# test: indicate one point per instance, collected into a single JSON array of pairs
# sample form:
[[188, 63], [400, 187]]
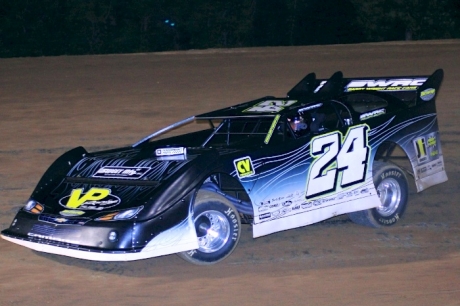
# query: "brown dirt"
[[49, 105]]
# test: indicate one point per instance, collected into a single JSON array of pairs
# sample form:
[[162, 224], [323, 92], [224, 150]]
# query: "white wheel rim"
[[213, 231], [389, 193]]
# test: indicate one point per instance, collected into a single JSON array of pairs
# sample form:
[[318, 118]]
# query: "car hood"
[[122, 179], [128, 164]]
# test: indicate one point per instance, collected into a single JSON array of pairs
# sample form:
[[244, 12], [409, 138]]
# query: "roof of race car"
[[270, 106], [311, 90], [265, 107]]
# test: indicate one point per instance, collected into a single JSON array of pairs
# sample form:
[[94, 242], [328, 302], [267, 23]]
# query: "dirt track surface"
[[49, 105]]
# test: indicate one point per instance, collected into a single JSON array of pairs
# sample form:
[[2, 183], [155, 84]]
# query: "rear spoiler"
[[418, 88]]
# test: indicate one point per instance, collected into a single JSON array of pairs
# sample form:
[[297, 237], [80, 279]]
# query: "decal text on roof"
[[270, 106]]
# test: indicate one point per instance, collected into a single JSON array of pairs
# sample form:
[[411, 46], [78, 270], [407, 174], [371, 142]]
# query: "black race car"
[[276, 163]]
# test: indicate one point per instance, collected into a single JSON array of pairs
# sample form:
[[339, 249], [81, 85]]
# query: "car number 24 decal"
[[338, 158]]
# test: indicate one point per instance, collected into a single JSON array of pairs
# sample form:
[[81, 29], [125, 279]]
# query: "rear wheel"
[[392, 189], [218, 227]]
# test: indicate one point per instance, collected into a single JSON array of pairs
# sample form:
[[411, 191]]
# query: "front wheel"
[[218, 228], [392, 189]]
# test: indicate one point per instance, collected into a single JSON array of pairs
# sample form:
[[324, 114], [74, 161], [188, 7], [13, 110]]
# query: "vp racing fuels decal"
[[93, 199], [338, 159]]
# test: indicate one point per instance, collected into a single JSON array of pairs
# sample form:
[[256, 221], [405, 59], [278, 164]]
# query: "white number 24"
[[334, 154]]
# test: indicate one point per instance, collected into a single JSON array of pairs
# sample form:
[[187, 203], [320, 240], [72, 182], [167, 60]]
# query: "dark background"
[[57, 27]]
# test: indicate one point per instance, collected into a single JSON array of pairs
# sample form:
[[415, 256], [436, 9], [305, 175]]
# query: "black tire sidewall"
[[398, 175], [232, 217]]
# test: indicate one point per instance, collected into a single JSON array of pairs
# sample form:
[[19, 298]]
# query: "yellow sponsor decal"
[[428, 94], [272, 128], [389, 88], [244, 167], [94, 194], [421, 149], [71, 213], [431, 141]]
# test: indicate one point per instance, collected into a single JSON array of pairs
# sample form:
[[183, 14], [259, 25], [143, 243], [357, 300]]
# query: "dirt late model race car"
[[276, 163]]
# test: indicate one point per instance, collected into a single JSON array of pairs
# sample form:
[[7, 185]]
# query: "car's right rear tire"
[[392, 189]]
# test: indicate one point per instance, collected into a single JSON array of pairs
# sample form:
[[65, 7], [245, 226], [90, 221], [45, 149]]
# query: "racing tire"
[[392, 189], [218, 228]]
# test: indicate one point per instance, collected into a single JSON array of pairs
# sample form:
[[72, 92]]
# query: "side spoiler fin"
[[330, 88], [304, 88], [310, 87]]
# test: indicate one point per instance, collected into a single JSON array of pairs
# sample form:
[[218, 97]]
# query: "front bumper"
[[169, 233]]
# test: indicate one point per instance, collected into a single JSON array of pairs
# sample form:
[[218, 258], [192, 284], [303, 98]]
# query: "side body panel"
[[310, 180]]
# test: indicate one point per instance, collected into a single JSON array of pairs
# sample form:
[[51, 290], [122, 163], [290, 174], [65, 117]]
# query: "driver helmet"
[[297, 124]]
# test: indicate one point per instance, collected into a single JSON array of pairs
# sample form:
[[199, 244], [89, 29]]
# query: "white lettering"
[[395, 84], [229, 212]]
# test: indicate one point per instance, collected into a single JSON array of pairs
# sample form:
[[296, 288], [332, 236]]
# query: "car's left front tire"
[[218, 228]]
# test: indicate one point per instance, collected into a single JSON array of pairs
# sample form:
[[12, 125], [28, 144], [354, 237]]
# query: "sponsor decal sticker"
[[71, 213], [270, 106], [130, 173], [265, 216], [60, 220], [49, 237], [385, 84], [320, 86], [263, 208], [272, 128], [372, 114], [427, 148], [428, 94], [420, 148], [171, 151], [94, 199], [432, 141], [430, 168], [303, 109], [244, 167]]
